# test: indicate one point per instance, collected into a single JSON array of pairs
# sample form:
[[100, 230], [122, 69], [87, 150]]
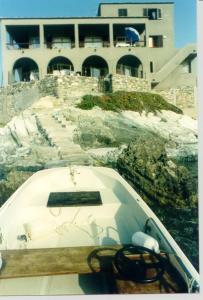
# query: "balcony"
[[59, 36], [22, 46], [121, 40], [94, 36], [22, 37]]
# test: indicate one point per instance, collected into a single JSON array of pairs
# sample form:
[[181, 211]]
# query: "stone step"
[[68, 145], [59, 136], [60, 133], [72, 154]]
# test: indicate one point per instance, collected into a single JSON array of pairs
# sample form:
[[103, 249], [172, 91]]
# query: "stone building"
[[97, 46]]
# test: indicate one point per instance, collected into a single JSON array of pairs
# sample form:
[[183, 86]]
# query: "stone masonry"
[[76, 86], [20, 96], [17, 97], [129, 84], [182, 97]]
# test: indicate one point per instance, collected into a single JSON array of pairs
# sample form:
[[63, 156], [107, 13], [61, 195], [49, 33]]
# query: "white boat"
[[72, 209]]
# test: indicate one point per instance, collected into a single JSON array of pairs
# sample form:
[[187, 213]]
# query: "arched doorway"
[[130, 65], [25, 69], [95, 66], [60, 64]]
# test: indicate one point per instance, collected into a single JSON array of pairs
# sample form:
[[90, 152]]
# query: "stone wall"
[[15, 98], [182, 97], [48, 86], [76, 86], [129, 84]]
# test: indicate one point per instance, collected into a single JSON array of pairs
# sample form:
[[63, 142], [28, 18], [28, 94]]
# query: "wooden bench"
[[82, 260], [54, 261]]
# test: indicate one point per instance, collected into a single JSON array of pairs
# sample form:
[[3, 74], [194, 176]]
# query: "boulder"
[[158, 179]]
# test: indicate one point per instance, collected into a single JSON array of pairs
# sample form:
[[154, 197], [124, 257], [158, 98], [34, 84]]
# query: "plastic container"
[[142, 239]]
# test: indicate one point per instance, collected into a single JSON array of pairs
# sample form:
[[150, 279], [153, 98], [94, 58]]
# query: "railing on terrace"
[[58, 68], [122, 41], [94, 44], [59, 45], [20, 46]]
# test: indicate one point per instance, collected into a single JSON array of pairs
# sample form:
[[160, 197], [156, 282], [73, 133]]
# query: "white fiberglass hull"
[[36, 225]]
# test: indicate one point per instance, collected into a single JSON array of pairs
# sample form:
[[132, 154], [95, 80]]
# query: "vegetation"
[[11, 183], [134, 101]]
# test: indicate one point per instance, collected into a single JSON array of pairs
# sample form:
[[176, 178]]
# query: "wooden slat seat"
[[55, 261], [84, 260]]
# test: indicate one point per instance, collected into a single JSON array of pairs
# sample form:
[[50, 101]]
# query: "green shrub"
[[134, 101]]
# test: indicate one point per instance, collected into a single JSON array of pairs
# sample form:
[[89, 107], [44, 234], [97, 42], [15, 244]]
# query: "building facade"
[[97, 46]]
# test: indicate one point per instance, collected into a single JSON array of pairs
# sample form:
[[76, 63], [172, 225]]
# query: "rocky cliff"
[[54, 133], [154, 175]]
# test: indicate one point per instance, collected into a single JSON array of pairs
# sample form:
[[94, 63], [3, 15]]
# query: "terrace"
[[120, 39], [94, 36], [59, 36], [22, 36]]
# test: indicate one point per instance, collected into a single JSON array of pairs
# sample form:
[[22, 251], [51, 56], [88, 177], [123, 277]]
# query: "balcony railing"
[[59, 45], [122, 41], [20, 46], [94, 44], [82, 44]]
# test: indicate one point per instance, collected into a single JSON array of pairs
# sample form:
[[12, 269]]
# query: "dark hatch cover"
[[65, 199]]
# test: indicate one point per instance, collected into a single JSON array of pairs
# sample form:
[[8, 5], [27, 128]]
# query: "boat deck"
[[83, 260]]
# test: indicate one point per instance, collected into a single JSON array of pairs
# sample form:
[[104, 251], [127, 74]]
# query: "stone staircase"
[[59, 132]]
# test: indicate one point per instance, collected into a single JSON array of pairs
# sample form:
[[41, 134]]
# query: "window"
[[152, 13], [155, 41], [66, 199], [122, 12], [151, 67]]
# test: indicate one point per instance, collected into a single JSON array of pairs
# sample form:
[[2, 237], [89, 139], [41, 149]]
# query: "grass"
[[134, 101]]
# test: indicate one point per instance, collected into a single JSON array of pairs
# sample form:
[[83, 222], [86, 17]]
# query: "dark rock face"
[[158, 179], [13, 181]]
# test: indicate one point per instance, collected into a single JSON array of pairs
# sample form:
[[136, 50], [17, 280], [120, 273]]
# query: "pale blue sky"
[[185, 13]]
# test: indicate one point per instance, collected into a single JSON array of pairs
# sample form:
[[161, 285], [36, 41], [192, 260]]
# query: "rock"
[[106, 156], [13, 181], [159, 180], [46, 102], [158, 139], [179, 131]]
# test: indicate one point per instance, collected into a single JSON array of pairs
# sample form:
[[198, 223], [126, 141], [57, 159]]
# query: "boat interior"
[[66, 238]]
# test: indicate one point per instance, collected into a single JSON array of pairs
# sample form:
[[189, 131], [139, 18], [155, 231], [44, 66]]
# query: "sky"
[[185, 13]]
